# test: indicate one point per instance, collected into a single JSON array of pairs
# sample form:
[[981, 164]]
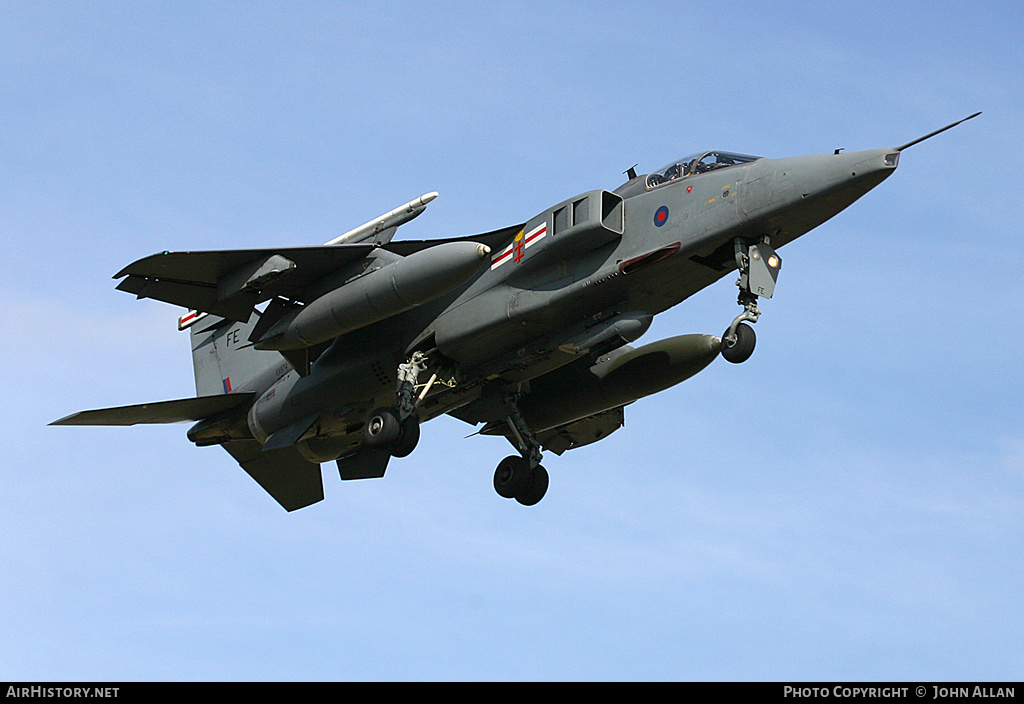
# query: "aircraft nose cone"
[[841, 176], [793, 195], [861, 165]]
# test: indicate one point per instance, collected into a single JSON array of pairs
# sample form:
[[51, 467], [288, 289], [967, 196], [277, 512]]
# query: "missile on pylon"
[[382, 228], [395, 288]]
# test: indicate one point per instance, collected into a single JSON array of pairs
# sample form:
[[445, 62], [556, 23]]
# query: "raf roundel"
[[660, 216]]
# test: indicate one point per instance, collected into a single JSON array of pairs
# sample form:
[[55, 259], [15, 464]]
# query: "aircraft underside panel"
[[368, 464], [285, 474], [583, 432]]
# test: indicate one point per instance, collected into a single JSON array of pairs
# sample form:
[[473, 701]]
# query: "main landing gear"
[[397, 429], [759, 267], [521, 478], [386, 431]]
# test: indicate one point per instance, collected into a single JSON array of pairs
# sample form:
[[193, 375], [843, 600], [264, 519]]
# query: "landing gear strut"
[[521, 478], [759, 267], [739, 339], [397, 429]]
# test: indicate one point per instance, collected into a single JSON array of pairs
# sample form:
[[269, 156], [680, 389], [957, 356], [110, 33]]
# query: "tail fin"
[[222, 356]]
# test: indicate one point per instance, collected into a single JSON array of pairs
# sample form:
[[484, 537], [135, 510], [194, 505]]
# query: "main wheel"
[[512, 474], [742, 347], [382, 429], [410, 435], [534, 489]]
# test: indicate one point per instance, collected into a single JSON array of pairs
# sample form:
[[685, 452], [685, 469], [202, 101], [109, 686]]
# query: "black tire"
[[409, 437], [740, 350], [534, 490], [382, 429], [512, 474]]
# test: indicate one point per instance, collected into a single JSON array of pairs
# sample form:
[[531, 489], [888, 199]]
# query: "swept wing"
[[228, 283]]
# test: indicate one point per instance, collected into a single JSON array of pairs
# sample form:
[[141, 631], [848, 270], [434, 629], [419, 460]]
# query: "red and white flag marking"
[[517, 250], [190, 319]]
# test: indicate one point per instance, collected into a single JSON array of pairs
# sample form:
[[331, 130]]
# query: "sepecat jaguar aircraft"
[[340, 352]]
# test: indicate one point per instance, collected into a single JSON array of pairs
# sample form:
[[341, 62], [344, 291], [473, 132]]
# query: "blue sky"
[[847, 505]]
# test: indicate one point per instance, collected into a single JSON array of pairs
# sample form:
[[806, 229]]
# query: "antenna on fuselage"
[[932, 134]]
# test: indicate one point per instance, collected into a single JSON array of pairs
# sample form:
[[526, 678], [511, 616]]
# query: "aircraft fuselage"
[[525, 330], [585, 275]]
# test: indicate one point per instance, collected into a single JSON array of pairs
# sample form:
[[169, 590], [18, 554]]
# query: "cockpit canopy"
[[697, 164]]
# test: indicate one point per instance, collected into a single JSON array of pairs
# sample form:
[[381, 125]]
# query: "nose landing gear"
[[759, 267]]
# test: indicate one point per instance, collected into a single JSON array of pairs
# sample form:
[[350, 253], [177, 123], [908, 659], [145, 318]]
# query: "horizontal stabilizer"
[[178, 411], [285, 474]]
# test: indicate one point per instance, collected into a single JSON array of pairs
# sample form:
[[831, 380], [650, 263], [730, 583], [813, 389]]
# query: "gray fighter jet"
[[305, 355]]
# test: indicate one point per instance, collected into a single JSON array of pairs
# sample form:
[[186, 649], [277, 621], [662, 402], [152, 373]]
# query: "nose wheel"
[[759, 267], [738, 343]]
